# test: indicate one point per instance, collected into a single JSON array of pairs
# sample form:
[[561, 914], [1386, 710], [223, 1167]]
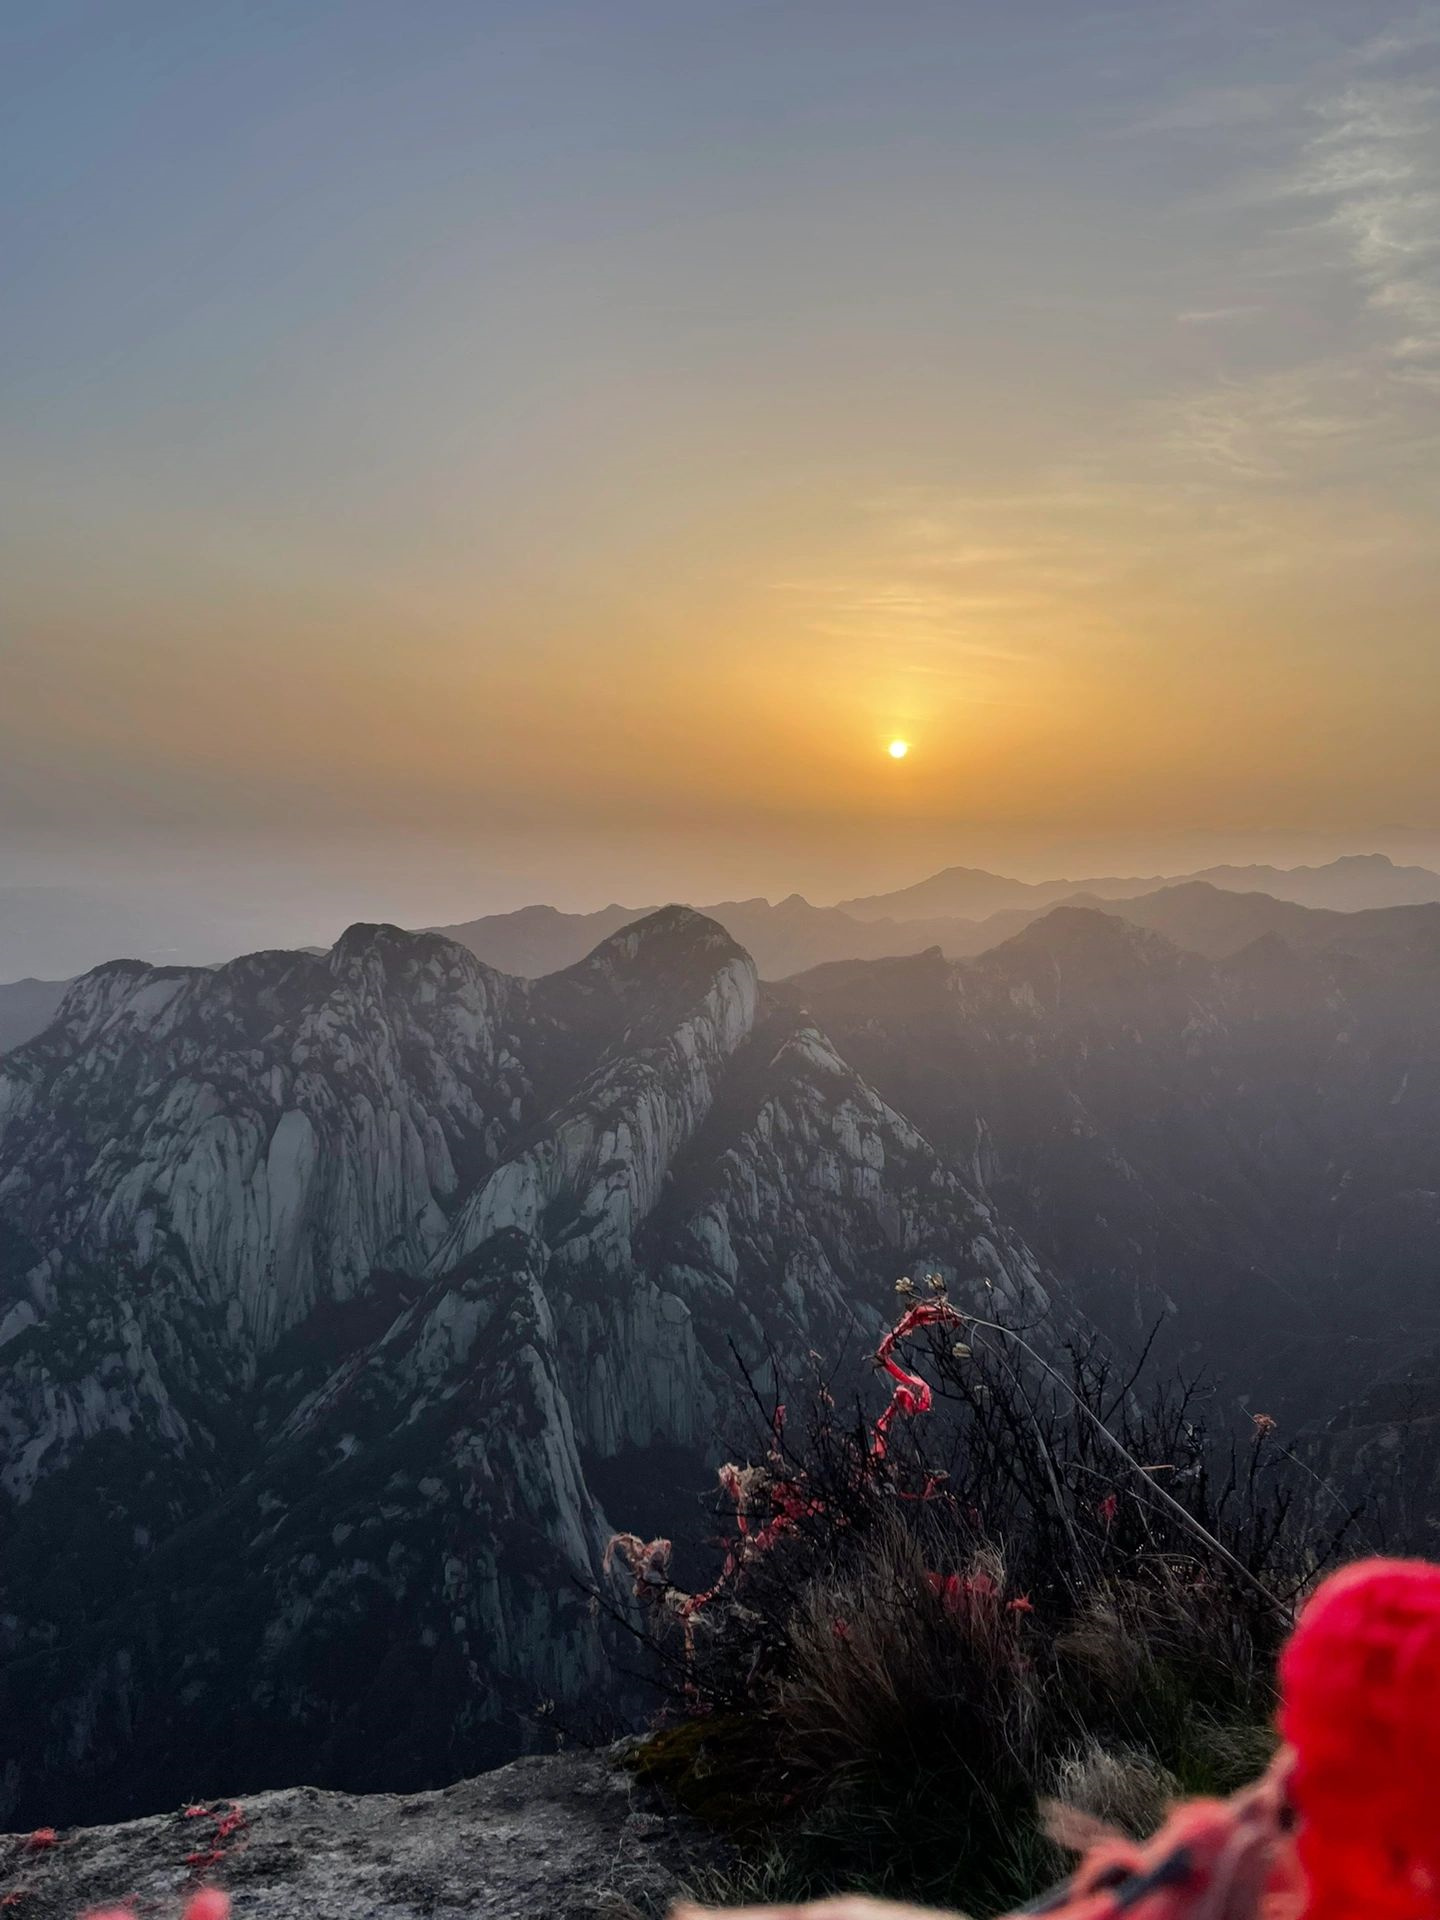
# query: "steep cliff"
[[330, 1287]]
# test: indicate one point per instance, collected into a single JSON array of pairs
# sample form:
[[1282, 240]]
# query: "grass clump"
[[1018, 1583]]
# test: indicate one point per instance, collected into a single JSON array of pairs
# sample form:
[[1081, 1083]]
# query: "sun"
[[898, 749]]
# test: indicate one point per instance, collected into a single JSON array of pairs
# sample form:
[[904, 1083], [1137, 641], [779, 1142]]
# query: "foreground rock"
[[562, 1836]]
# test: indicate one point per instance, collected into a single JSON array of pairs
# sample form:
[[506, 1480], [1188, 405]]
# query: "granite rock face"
[[567, 1837], [349, 1302], [333, 1287]]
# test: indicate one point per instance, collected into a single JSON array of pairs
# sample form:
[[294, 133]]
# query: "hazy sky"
[[478, 451]]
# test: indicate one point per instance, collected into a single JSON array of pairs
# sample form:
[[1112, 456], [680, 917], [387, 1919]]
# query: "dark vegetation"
[[1033, 1584]]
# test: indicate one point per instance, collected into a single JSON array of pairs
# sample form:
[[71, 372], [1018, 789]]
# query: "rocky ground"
[[560, 1836]]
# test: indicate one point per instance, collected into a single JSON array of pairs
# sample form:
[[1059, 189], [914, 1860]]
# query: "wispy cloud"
[[1399, 41], [1374, 167], [1298, 466], [1297, 422], [1348, 213]]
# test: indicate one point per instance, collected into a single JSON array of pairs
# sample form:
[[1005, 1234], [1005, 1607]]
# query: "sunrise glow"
[[621, 520]]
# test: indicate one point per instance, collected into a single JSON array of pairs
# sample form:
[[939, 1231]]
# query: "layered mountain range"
[[349, 1300], [965, 911], [336, 1293], [1348, 884], [1248, 1147], [48, 934]]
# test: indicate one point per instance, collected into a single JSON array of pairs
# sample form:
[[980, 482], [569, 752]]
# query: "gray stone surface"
[[561, 1836]]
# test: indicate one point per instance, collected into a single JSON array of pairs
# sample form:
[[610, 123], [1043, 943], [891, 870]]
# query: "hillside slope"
[[330, 1285], [1248, 1149]]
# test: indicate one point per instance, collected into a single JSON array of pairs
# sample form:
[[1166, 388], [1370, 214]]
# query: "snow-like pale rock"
[[336, 1279]]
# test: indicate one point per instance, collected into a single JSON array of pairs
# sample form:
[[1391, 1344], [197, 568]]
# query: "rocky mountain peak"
[[343, 1297], [1084, 956], [327, 1282], [669, 934], [654, 972]]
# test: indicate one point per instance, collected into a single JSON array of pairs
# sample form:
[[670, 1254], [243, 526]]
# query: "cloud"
[[1419, 35], [1345, 224], [1374, 169], [1287, 489], [1303, 422]]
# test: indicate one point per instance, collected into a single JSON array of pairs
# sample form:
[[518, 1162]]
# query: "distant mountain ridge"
[[55, 933], [791, 935], [1245, 1150], [1345, 885], [1205, 919], [963, 911], [782, 938]]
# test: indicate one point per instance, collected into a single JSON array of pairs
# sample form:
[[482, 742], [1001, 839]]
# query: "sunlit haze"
[[458, 454]]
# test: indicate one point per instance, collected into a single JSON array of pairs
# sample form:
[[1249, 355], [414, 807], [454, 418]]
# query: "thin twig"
[[1189, 1520]]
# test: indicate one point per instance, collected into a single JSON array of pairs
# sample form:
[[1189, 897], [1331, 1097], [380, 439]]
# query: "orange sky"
[[565, 455]]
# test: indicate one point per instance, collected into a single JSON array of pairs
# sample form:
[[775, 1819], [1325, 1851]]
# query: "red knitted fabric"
[[1360, 1681]]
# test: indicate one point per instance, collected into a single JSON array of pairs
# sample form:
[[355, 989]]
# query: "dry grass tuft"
[[995, 1608]]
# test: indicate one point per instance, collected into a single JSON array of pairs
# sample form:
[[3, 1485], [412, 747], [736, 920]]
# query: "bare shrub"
[[1012, 1584]]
